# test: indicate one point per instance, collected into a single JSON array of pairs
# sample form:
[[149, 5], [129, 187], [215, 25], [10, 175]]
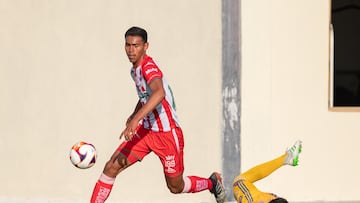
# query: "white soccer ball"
[[83, 155]]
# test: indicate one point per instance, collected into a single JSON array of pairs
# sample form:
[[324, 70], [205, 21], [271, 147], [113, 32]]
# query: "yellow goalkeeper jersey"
[[246, 192]]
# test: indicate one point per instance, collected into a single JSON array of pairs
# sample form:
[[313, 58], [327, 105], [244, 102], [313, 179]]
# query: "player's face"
[[135, 49]]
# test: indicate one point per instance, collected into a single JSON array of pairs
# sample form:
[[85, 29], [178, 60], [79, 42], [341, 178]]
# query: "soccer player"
[[245, 191], [152, 127]]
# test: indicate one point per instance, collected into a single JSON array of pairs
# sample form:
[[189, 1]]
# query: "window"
[[345, 54]]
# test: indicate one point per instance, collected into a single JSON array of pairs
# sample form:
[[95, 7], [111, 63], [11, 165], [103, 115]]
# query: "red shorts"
[[168, 146]]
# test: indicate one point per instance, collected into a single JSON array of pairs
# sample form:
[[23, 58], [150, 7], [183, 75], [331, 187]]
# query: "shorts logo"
[[170, 163]]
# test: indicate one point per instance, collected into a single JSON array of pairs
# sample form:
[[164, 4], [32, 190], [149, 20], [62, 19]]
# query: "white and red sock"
[[102, 189], [195, 184]]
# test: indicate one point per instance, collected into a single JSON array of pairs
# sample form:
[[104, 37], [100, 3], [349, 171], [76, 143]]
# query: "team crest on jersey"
[[170, 163]]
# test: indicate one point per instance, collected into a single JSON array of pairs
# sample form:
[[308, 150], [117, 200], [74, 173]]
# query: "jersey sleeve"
[[150, 71]]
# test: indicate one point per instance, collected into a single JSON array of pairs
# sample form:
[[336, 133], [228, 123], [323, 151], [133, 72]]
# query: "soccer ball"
[[83, 155]]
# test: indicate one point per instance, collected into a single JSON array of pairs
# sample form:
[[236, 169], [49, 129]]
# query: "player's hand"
[[129, 132]]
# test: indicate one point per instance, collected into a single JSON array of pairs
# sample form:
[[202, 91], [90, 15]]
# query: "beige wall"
[[64, 77], [285, 97]]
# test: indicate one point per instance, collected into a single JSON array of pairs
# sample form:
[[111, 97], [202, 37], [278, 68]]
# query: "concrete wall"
[[64, 77]]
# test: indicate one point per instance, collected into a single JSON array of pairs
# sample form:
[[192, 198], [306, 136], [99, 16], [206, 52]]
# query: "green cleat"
[[293, 154]]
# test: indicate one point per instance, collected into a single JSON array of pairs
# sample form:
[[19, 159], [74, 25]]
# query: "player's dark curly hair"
[[279, 200], [137, 31]]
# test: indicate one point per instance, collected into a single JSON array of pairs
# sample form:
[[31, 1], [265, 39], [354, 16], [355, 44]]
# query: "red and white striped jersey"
[[163, 118]]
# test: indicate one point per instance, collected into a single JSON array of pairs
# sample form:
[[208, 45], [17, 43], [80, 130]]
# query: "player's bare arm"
[[137, 107], [156, 97]]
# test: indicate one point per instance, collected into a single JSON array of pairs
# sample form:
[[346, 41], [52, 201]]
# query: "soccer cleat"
[[293, 154], [218, 188]]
